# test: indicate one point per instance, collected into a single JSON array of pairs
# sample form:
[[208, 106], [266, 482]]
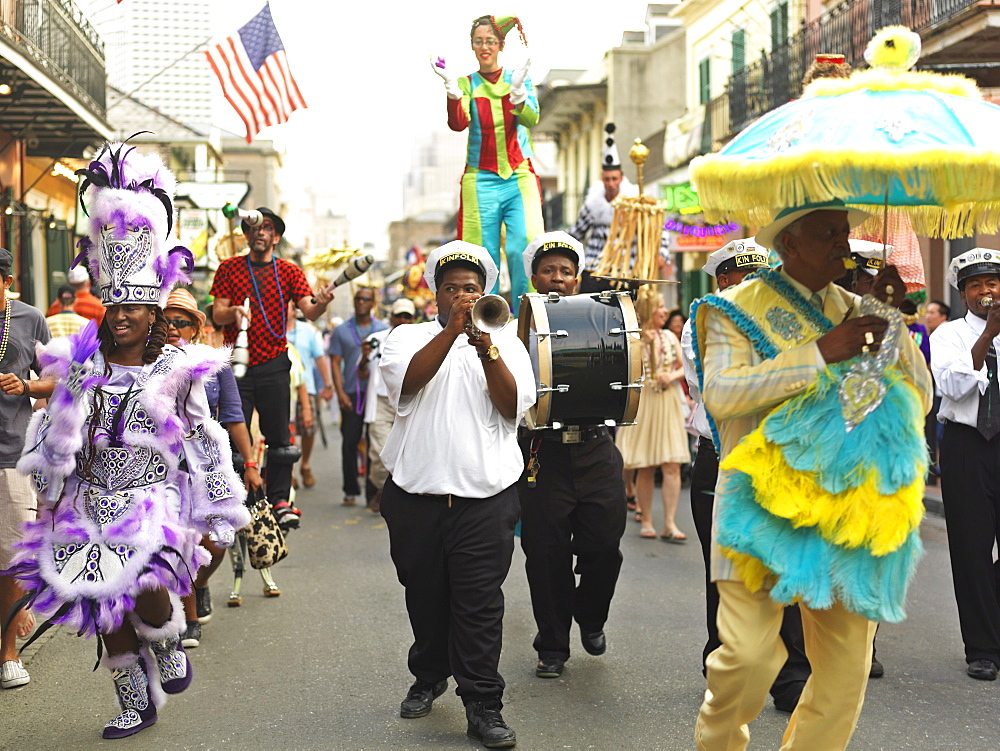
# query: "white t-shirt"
[[449, 438]]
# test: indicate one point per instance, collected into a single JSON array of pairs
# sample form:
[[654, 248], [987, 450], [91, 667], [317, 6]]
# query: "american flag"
[[254, 73]]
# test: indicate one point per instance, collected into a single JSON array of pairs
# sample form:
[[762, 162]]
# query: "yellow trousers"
[[741, 671]]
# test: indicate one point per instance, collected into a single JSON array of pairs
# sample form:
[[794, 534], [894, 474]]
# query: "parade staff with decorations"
[[451, 502], [818, 398], [964, 362], [499, 185], [115, 544], [593, 223], [572, 502], [269, 283], [730, 265]]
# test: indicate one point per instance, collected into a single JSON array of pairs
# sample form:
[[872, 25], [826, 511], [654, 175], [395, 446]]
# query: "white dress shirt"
[[449, 438], [951, 362], [699, 420], [376, 386]]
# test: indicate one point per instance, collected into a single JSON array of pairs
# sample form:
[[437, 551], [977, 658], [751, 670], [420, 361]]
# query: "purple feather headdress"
[[129, 199]]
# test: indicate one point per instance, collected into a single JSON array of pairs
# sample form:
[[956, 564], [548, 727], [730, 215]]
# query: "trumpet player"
[[572, 501], [450, 503], [964, 363]]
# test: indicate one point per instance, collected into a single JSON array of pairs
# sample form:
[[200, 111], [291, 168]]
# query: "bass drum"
[[589, 361]]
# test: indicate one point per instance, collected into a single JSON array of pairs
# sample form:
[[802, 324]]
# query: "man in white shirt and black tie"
[[964, 363]]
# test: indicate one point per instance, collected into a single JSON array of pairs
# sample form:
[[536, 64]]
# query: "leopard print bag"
[[265, 542]]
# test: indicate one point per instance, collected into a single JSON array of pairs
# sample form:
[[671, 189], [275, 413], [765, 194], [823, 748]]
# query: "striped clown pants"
[[489, 201]]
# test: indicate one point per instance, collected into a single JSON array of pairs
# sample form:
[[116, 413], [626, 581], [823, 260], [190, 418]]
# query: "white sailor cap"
[[552, 241], [461, 252], [868, 255], [971, 263], [737, 255]]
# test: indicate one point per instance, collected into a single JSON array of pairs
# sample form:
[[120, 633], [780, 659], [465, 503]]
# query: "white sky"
[[362, 67]]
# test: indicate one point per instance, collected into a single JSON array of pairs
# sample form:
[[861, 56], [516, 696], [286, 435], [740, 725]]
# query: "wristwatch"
[[492, 353]]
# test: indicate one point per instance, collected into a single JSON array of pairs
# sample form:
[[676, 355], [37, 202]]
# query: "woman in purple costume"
[[116, 541]]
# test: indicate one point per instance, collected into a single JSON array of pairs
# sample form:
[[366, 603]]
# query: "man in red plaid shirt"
[[269, 283]]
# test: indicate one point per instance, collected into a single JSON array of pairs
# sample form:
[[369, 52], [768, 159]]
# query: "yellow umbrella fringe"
[[890, 80], [754, 191]]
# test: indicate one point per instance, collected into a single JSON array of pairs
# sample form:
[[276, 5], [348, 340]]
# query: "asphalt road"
[[324, 665]]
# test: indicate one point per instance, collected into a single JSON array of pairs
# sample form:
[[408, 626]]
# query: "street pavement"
[[324, 665]]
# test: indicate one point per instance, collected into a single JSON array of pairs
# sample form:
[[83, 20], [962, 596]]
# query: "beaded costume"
[[130, 469]]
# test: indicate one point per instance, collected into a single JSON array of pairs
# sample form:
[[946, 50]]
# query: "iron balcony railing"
[[776, 77], [55, 34]]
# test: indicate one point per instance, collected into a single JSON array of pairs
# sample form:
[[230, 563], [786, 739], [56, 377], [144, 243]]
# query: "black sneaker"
[[192, 636], [420, 697], [982, 670], [286, 515], [203, 604], [487, 726], [549, 667], [877, 669], [594, 641]]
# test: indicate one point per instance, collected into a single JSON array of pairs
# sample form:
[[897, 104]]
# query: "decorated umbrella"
[[921, 143]]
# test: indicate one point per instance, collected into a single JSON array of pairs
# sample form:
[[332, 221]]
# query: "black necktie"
[[988, 422]]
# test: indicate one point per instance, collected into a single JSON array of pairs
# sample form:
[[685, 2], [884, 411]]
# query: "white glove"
[[450, 84], [222, 532], [517, 91]]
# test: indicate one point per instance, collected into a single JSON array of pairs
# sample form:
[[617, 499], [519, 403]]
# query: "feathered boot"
[[128, 671], [162, 646]]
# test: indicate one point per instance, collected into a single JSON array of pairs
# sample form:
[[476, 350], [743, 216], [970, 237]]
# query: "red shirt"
[[85, 304], [267, 325]]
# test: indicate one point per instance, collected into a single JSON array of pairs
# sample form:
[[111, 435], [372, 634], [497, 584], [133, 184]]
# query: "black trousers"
[[970, 467], [796, 669], [267, 387], [352, 426], [577, 508], [452, 555]]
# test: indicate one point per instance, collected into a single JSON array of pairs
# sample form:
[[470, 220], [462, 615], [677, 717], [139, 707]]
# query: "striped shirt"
[[499, 139], [65, 323]]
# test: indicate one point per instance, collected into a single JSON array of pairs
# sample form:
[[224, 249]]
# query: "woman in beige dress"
[[658, 438]]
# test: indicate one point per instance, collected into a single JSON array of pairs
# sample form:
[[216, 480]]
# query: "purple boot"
[[173, 663], [132, 688]]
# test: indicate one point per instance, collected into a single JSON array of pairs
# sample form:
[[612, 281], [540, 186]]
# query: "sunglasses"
[[358, 298], [179, 323], [403, 315]]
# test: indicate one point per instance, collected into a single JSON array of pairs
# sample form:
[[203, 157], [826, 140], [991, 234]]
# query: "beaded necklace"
[[5, 337], [260, 302]]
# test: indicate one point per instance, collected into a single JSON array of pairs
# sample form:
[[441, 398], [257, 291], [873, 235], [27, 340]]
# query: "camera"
[[374, 342]]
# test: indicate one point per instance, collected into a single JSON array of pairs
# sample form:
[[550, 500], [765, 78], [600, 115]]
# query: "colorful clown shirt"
[[499, 139]]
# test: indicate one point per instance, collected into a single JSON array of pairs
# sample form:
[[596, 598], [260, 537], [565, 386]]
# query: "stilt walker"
[[499, 186]]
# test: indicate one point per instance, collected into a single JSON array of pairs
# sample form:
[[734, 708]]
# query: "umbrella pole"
[[885, 227]]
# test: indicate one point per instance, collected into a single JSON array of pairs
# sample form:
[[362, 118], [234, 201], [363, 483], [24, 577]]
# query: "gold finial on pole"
[[639, 154]]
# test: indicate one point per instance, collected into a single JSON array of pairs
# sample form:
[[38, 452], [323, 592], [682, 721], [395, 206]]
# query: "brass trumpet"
[[490, 314]]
